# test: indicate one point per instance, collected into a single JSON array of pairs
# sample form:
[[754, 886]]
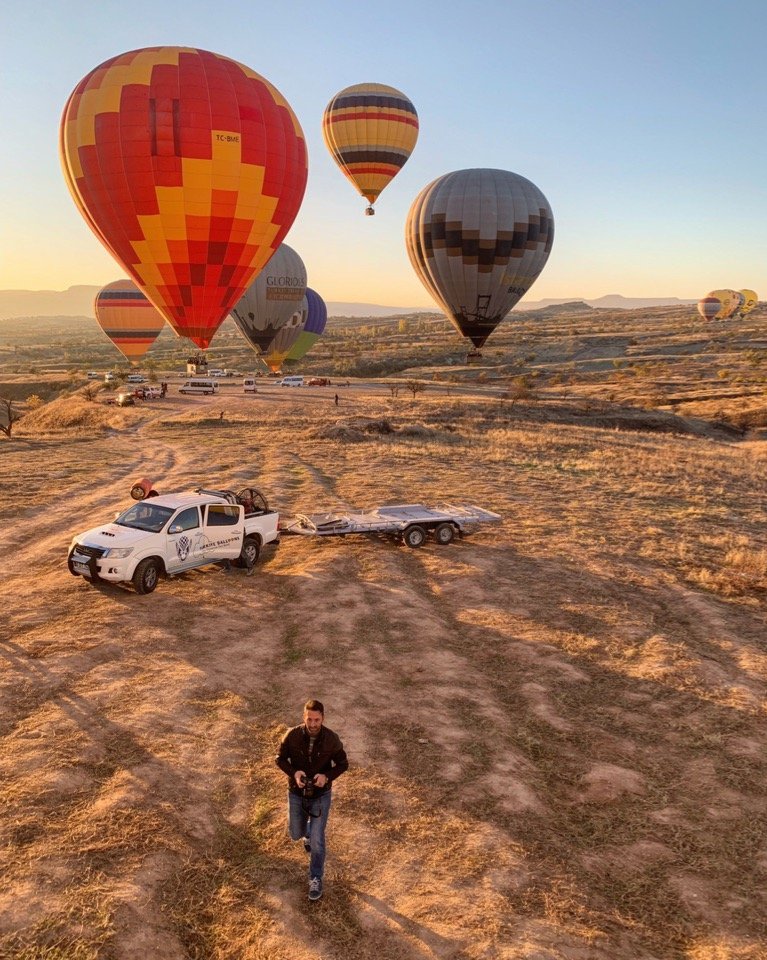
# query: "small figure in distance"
[[312, 756], [221, 415], [336, 399]]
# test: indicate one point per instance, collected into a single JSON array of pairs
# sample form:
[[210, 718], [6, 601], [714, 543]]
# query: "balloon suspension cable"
[[370, 212]]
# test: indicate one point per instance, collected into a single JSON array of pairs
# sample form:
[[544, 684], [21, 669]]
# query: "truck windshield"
[[145, 516]]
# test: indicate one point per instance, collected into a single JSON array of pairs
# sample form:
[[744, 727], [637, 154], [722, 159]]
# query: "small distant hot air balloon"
[[709, 307], [277, 351], [316, 318], [190, 168], [370, 130], [272, 299], [130, 321], [750, 301], [728, 300], [477, 239]]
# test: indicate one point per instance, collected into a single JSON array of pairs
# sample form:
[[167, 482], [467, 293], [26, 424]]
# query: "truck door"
[[223, 531], [185, 539]]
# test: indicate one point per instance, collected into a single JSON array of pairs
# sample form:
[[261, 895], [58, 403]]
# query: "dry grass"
[[557, 728]]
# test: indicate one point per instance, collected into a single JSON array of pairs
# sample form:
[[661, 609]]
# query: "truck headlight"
[[118, 553]]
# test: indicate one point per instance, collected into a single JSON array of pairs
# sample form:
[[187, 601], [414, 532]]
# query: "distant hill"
[[78, 302]]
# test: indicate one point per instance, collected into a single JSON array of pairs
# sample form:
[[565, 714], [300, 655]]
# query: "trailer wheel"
[[414, 536], [444, 533], [146, 575]]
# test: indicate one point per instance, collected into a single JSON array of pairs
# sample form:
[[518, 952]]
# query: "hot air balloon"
[[477, 240], [130, 321], [277, 351], [272, 299], [750, 301], [709, 307], [190, 168], [316, 318], [370, 130], [727, 299]]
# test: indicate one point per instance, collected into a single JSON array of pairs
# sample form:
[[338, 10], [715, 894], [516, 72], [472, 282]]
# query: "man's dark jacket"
[[328, 757]]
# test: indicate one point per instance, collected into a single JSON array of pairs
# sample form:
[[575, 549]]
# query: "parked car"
[[109, 377], [125, 400], [319, 382], [94, 375]]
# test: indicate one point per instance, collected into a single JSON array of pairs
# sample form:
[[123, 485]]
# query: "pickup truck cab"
[[168, 535]]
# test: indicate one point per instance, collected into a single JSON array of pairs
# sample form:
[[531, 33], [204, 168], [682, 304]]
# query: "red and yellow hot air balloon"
[[370, 130], [130, 321], [190, 168]]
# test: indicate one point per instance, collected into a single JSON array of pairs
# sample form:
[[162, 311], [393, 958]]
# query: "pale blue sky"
[[643, 123]]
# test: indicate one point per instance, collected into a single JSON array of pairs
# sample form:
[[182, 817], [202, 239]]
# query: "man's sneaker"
[[315, 888], [307, 845]]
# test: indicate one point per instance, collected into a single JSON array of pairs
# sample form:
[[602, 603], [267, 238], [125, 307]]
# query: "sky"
[[642, 123]]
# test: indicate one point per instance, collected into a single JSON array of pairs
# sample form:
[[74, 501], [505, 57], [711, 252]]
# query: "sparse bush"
[[34, 402]]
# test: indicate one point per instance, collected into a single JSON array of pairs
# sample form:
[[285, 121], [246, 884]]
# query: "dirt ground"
[[557, 727]]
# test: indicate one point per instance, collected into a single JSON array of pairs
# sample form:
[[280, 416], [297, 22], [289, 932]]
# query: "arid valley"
[[556, 727]]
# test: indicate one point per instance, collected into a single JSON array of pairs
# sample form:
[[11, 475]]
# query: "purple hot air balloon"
[[316, 319]]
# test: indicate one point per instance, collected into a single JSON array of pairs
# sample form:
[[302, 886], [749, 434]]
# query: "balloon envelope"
[[316, 318], [130, 321], [750, 301], [370, 130], [277, 351], [477, 239], [727, 299], [709, 307], [190, 168], [272, 299]]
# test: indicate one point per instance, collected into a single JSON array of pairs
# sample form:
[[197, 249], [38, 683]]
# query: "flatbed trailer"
[[411, 523]]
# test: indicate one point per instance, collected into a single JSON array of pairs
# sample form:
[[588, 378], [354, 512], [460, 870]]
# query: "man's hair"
[[314, 705]]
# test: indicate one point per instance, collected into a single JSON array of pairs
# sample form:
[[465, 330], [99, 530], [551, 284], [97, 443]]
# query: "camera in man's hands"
[[308, 789]]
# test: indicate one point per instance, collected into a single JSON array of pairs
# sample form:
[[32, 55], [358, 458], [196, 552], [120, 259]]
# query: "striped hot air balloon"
[[709, 307], [190, 168], [370, 130], [130, 321], [477, 239]]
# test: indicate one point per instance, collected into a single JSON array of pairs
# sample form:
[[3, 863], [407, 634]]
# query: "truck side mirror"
[[176, 528]]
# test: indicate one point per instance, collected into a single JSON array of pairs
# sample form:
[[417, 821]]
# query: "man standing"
[[312, 756]]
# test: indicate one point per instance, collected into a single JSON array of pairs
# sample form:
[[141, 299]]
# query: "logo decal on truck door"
[[183, 545]]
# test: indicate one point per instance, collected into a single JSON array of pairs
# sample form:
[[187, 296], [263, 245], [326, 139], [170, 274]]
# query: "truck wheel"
[[146, 575], [444, 533], [414, 536], [251, 548]]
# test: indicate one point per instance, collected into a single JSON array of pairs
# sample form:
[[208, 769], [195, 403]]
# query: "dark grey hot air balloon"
[[478, 240], [272, 299]]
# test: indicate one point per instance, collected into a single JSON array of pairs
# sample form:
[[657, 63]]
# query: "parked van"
[[199, 386], [93, 375], [109, 377], [136, 378], [292, 382], [249, 385], [216, 373]]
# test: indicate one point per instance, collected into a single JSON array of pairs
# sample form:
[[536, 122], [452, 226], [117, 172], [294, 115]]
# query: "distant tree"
[[10, 415], [394, 390], [416, 387], [90, 391], [403, 326]]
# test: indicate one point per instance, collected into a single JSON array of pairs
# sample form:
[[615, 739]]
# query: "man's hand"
[[300, 778], [320, 779]]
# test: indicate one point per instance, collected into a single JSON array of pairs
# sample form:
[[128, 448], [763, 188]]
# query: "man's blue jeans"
[[308, 818]]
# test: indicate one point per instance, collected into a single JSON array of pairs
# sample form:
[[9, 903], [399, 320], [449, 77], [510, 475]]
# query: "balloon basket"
[[473, 356], [370, 212]]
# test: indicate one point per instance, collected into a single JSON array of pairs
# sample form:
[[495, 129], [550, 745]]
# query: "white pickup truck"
[[171, 534]]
